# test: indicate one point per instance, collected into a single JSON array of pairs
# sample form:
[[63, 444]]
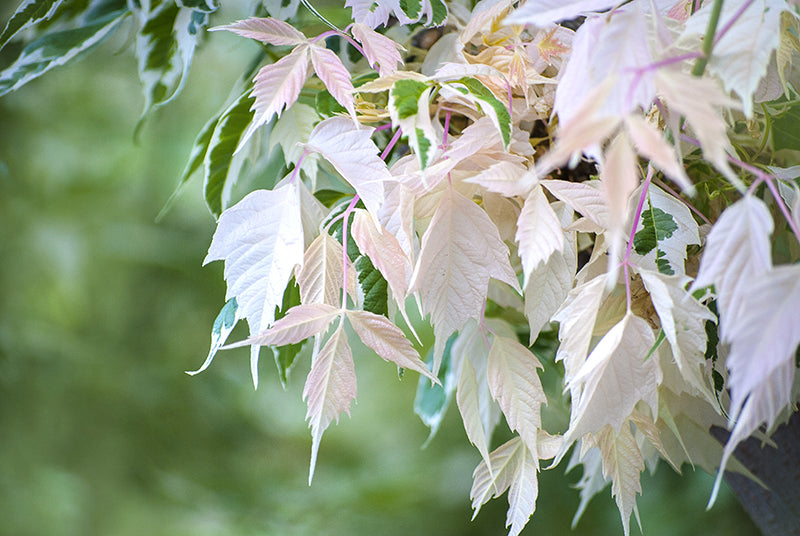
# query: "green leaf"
[[327, 106], [219, 155], [432, 399], [223, 325], [374, 286], [206, 6], [284, 355], [786, 129], [412, 8], [439, 12], [657, 225], [423, 146], [59, 47], [491, 106], [661, 337], [404, 97], [196, 158], [328, 197], [28, 14], [165, 46]]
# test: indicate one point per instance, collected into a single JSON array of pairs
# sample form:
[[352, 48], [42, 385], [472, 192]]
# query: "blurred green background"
[[102, 309]]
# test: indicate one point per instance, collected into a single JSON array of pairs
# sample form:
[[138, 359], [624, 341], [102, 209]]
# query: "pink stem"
[[446, 130], [391, 143], [296, 170]]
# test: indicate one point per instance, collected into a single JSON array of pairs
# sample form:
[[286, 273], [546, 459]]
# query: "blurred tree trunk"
[[776, 510]]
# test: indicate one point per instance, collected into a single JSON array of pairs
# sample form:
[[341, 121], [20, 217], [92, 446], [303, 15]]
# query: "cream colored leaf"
[[384, 251], [320, 278], [614, 378], [461, 250], [467, 399], [651, 144], [300, 323], [622, 463], [577, 317], [584, 197], [683, 320], [514, 383], [539, 232]]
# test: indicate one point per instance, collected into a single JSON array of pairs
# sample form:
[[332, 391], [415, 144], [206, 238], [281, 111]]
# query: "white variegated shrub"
[[618, 180]]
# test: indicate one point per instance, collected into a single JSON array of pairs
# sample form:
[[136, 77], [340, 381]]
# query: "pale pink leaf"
[[514, 383], [651, 144], [277, 86], [267, 30], [261, 240], [461, 251], [505, 178], [737, 251], [487, 484], [320, 278], [614, 378], [384, 251], [539, 232], [330, 389], [354, 155], [335, 76], [388, 341], [372, 13], [300, 323], [523, 490], [379, 49]]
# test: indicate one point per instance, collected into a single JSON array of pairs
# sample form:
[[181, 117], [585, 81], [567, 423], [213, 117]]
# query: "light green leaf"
[[165, 46], [196, 158], [491, 106], [28, 13], [223, 325], [409, 109], [219, 155], [59, 47], [432, 399]]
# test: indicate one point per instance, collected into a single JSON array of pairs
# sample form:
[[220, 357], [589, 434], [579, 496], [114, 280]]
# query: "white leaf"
[[261, 240], [698, 99], [549, 283], [737, 251], [539, 232], [370, 12], [614, 378], [683, 320], [321, 276], [543, 13], [267, 30], [379, 49], [335, 76], [486, 484], [577, 317], [330, 389], [742, 54], [503, 177], [583, 197], [467, 399], [461, 251], [354, 155], [277, 86], [523, 491], [619, 176], [388, 341], [514, 383]]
